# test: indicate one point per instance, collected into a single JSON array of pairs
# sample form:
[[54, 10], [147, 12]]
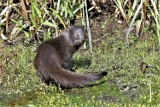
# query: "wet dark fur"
[[53, 57]]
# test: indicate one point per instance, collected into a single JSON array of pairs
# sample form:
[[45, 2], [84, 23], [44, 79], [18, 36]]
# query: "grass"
[[126, 84]]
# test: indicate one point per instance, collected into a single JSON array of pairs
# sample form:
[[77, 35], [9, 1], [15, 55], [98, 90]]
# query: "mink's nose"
[[82, 38]]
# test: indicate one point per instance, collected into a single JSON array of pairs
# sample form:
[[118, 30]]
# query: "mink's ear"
[[71, 30], [76, 27]]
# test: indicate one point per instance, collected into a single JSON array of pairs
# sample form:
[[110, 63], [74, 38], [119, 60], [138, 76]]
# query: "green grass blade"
[[47, 23], [58, 16]]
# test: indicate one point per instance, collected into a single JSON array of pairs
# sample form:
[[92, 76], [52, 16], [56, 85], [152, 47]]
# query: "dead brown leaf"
[[24, 10]]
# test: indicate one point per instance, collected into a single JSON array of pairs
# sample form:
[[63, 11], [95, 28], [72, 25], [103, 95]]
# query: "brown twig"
[[144, 66]]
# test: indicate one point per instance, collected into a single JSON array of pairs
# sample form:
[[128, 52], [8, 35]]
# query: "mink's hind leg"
[[46, 79]]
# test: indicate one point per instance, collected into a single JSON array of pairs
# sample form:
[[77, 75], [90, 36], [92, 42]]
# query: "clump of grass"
[[139, 11]]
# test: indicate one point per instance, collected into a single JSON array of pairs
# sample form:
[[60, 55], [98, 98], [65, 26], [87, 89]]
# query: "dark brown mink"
[[53, 58]]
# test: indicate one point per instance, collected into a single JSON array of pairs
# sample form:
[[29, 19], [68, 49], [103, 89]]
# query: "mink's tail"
[[68, 79]]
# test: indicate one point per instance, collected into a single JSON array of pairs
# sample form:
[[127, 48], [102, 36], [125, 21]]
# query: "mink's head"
[[75, 35]]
